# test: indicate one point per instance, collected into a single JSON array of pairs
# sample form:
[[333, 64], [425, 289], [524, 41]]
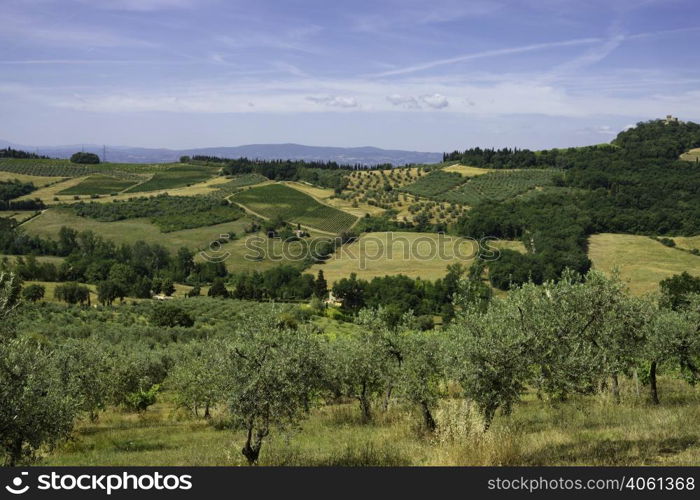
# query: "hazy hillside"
[[127, 154]]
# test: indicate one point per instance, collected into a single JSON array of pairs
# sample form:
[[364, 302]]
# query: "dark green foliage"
[[16, 153], [676, 290], [218, 289], [170, 315], [72, 293], [281, 282], [108, 291], [33, 293], [87, 158]]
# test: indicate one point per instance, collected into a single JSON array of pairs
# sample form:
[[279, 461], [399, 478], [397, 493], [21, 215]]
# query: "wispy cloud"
[[334, 101], [486, 54]]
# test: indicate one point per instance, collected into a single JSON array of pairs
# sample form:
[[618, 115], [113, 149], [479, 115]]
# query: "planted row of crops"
[[237, 183], [175, 177], [61, 168], [435, 183], [499, 186], [277, 201], [98, 184]]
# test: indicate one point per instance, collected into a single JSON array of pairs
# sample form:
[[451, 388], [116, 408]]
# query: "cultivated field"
[[175, 177], [499, 186], [417, 255], [37, 180], [51, 194], [688, 243], [279, 201], [467, 171], [640, 260], [132, 230], [435, 183], [246, 252], [327, 196], [98, 184], [692, 155]]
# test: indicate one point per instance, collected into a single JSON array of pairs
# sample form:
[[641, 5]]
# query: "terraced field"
[[499, 186], [279, 201], [98, 184], [175, 177]]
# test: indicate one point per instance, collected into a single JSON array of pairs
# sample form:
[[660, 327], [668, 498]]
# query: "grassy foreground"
[[590, 430]]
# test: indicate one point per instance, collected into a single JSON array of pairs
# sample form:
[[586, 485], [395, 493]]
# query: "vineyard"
[[236, 184], [175, 177], [279, 201], [435, 183], [64, 168], [499, 186], [98, 184]]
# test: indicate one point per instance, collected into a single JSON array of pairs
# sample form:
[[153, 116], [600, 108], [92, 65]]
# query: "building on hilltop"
[[671, 119]]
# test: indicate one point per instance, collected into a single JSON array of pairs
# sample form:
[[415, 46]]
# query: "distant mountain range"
[[126, 154]]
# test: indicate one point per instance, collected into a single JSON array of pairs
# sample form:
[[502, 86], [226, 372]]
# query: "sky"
[[434, 75]]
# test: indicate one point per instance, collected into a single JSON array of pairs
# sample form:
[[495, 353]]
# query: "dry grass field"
[[418, 255], [641, 261], [467, 171]]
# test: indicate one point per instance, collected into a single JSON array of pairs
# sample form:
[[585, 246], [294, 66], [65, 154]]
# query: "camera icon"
[[215, 253], [16, 487]]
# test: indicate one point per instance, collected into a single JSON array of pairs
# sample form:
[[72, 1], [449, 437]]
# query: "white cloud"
[[334, 101], [436, 101], [406, 102]]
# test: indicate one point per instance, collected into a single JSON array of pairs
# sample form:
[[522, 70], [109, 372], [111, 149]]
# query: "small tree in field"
[[33, 293], [273, 374]]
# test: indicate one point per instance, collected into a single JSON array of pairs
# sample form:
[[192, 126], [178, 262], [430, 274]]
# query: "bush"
[[33, 293], [88, 158], [170, 315]]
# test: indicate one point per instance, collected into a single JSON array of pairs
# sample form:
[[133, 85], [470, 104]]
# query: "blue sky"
[[422, 75]]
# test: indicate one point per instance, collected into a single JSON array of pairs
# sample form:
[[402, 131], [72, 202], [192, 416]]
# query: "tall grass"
[[585, 430]]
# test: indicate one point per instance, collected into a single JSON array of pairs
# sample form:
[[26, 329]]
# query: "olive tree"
[[674, 339], [421, 373], [359, 367], [273, 375], [200, 376], [488, 354], [36, 408], [85, 368]]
